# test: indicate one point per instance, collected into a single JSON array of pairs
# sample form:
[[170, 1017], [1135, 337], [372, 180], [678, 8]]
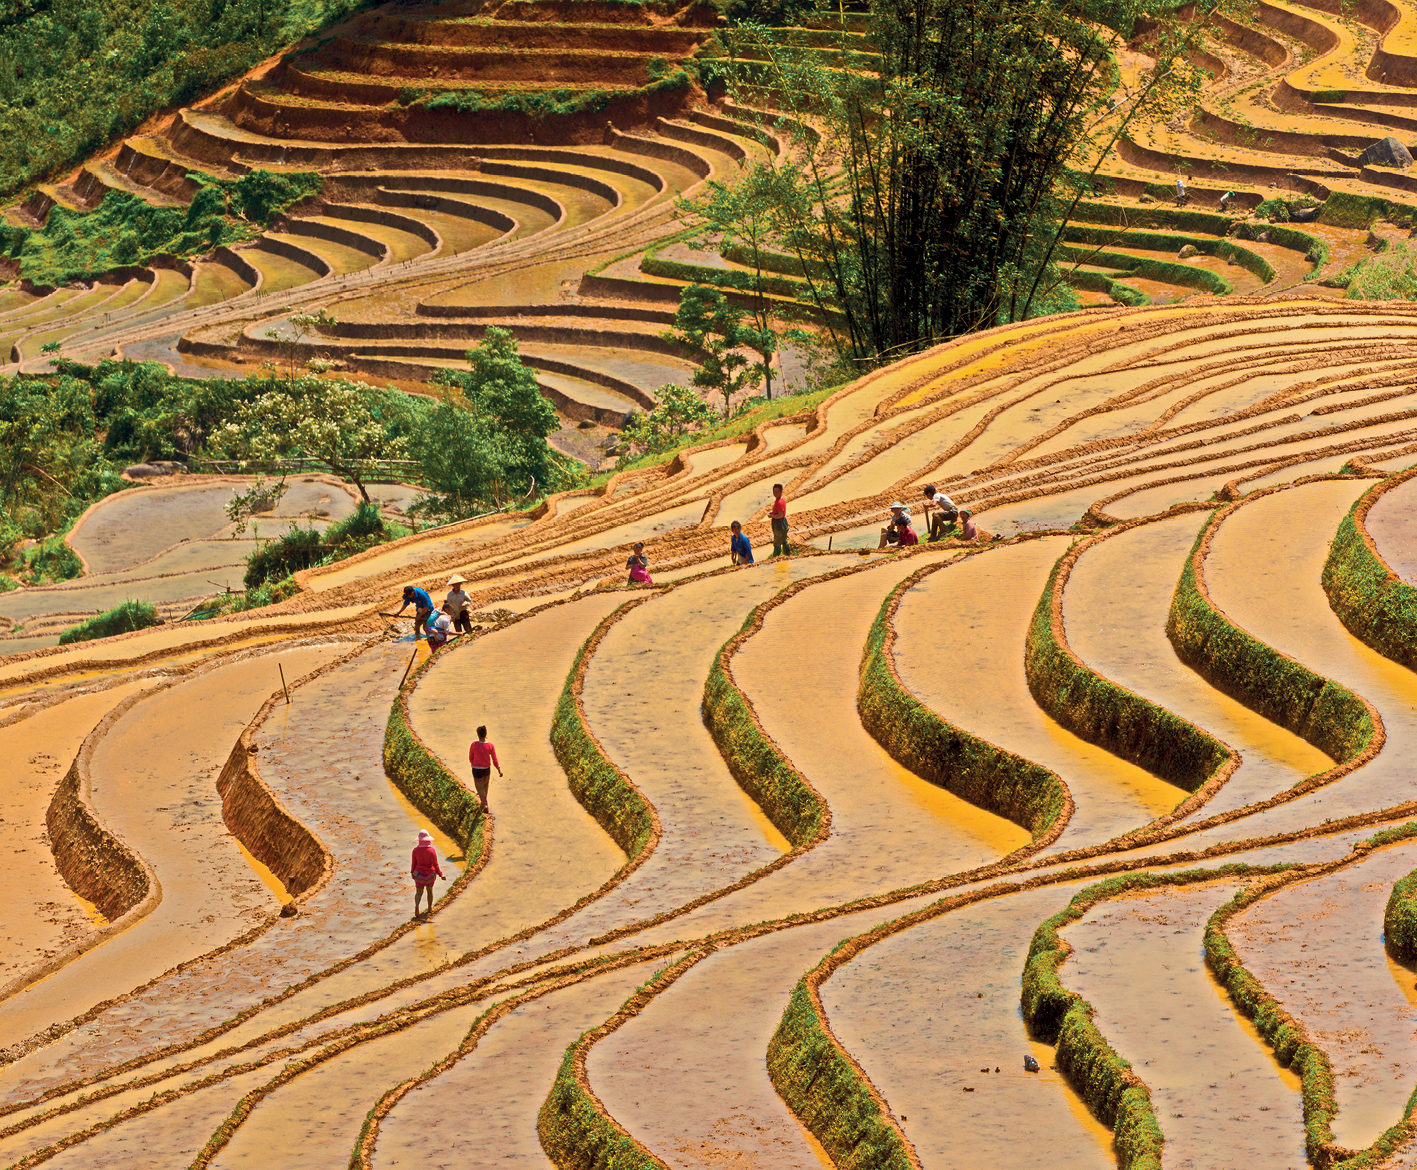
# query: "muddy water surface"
[[1392, 523], [1264, 572], [959, 650], [154, 782], [1115, 610], [39, 914], [926, 1011], [1219, 1095], [483, 1110], [1318, 948], [690, 1079]]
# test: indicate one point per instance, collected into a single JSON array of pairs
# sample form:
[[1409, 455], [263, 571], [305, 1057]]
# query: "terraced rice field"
[[791, 864], [787, 860]]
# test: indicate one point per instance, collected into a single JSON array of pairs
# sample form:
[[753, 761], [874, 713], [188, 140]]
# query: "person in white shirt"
[[940, 511], [459, 604], [440, 622]]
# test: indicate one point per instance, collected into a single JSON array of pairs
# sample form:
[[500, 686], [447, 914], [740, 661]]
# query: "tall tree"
[[939, 155]]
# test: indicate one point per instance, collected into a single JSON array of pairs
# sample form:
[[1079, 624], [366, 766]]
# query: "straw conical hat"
[[456, 580]]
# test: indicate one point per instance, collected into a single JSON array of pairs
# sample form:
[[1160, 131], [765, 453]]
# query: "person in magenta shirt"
[[779, 521], [483, 758], [425, 870]]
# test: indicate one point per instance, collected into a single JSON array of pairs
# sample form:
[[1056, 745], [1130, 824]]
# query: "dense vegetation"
[[950, 152], [65, 439], [124, 229], [75, 74]]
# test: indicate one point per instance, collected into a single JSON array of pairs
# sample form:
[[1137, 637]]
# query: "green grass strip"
[[421, 776], [1251, 262], [795, 808], [1400, 920], [1123, 294], [823, 1088], [1171, 272], [936, 750], [603, 790], [731, 278], [1283, 690], [1098, 710], [1376, 605], [121, 619]]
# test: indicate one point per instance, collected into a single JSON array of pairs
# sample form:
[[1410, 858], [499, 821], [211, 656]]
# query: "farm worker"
[[638, 564], [940, 511], [439, 628], [779, 522], [1180, 190], [1225, 200], [967, 529], [740, 552], [421, 602], [904, 534], [425, 870], [890, 534], [459, 604], [483, 758]]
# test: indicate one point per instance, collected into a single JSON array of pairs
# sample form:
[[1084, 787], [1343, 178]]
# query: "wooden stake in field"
[[283, 687], [409, 667]]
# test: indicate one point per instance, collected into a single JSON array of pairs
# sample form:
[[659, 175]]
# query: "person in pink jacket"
[[425, 870], [483, 758]]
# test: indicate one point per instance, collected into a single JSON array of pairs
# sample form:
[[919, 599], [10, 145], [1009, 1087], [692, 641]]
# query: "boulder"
[[1264, 237], [1187, 252], [1386, 152], [1145, 198], [1304, 214], [153, 470]]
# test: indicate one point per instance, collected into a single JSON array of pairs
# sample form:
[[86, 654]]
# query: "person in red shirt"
[[483, 758], [425, 870], [779, 521]]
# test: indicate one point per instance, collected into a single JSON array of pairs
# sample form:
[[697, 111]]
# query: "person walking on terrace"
[[482, 755], [740, 552], [425, 870], [459, 604], [940, 512], [779, 522], [638, 564], [422, 606], [1180, 191]]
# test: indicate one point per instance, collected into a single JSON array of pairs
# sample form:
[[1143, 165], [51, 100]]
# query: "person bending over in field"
[[422, 606], [740, 552], [483, 758], [439, 627], [426, 870]]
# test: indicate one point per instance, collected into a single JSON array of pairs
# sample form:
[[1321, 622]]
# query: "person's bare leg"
[[481, 783]]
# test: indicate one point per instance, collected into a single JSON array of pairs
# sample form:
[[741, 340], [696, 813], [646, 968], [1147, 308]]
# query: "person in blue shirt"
[[422, 605], [739, 550]]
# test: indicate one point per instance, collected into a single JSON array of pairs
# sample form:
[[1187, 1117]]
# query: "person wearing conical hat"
[[425, 870], [458, 604]]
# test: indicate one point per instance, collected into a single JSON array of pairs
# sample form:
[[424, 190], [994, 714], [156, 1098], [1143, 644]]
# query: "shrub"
[[50, 560], [300, 548], [122, 619]]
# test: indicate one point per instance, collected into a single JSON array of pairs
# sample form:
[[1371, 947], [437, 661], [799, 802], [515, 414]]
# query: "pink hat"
[[424, 835]]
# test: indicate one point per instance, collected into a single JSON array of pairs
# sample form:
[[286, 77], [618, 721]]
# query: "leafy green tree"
[[712, 328], [746, 213], [678, 410], [485, 442], [322, 419]]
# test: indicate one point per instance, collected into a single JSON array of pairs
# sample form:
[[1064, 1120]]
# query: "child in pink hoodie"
[[425, 870]]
